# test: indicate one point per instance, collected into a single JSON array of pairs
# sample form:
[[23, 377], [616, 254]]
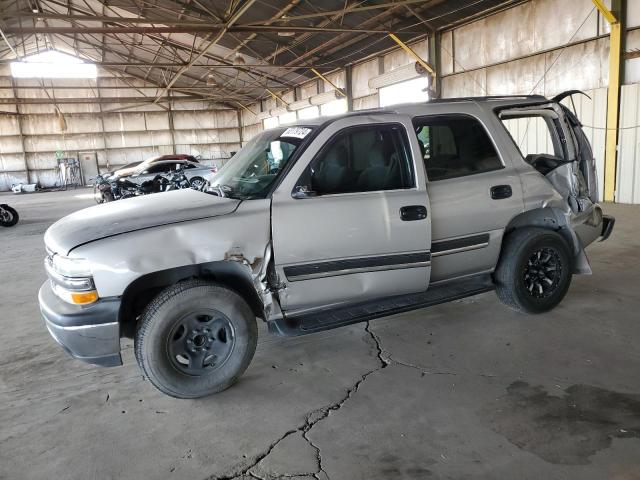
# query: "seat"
[[379, 175], [331, 173]]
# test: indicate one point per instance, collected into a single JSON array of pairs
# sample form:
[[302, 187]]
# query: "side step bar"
[[290, 326]]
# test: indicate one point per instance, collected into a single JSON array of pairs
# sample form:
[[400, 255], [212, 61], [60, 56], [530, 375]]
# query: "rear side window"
[[534, 135], [366, 158], [455, 146], [160, 168]]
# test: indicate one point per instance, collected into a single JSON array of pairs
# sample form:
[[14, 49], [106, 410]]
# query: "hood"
[[132, 214]]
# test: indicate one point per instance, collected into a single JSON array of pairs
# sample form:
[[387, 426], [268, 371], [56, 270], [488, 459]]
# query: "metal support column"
[[240, 136], [435, 58], [615, 17], [171, 128], [20, 129], [348, 86]]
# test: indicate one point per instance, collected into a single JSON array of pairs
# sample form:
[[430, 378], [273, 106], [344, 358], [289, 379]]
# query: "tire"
[[195, 338], [9, 217], [197, 183], [97, 194], [534, 271]]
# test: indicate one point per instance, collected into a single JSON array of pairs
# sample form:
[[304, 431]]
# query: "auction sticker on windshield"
[[296, 132]]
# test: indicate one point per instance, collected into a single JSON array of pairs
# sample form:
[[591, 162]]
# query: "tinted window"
[[362, 159], [455, 146], [160, 168]]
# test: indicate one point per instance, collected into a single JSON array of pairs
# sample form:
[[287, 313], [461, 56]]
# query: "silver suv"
[[324, 224]]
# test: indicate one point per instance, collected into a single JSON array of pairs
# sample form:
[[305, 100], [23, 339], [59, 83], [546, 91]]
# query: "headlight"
[[71, 267], [71, 279]]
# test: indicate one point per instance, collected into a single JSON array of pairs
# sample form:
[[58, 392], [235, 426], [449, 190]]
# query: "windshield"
[[255, 168]]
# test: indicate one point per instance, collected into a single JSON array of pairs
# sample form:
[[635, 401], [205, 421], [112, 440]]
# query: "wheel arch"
[[142, 290], [555, 219]]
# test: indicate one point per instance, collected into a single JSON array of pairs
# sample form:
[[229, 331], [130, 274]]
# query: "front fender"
[[120, 260]]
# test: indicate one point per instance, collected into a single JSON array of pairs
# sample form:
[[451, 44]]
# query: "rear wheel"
[[8, 216], [195, 338], [534, 271]]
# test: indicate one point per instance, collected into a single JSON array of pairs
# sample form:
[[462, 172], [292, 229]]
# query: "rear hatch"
[[550, 138]]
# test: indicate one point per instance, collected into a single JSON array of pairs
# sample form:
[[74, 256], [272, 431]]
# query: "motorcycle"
[[102, 190], [177, 180], [107, 189], [8, 216]]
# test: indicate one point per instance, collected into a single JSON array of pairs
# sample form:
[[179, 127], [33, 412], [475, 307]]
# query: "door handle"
[[413, 212], [499, 192]]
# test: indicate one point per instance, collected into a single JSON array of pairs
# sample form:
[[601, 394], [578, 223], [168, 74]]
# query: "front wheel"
[[195, 338], [534, 271], [197, 183], [8, 216]]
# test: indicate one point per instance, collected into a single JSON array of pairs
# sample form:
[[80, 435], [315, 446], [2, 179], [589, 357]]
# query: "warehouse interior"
[[466, 389]]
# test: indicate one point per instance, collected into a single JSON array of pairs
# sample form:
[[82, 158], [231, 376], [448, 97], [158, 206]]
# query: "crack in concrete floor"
[[311, 419]]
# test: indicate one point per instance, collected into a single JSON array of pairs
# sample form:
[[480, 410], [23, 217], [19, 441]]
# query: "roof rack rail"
[[487, 98]]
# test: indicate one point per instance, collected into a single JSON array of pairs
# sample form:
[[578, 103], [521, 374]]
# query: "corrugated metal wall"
[[540, 46], [628, 168], [116, 132]]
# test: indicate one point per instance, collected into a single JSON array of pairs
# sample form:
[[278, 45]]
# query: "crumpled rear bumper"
[[89, 333], [607, 227]]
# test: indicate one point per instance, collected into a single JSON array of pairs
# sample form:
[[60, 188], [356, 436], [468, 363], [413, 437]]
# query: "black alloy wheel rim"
[[542, 272], [197, 184], [201, 342]]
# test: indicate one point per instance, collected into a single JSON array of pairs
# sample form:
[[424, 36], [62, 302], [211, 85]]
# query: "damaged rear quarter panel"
[[119, 260]]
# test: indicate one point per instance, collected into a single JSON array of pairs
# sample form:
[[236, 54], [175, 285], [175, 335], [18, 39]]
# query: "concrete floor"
[[464, 390]]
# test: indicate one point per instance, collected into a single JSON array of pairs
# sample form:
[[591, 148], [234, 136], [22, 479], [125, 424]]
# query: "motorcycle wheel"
[[97, 195], [197, 183], [8, 216]]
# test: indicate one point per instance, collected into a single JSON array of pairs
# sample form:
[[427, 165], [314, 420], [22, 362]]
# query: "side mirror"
[[301, 191]]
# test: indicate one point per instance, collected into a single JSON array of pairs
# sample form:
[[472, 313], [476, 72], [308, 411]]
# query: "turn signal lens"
[[84, 298]]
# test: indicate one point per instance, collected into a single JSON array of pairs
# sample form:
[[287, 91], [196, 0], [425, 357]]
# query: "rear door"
[[473, 191], [351, 221]]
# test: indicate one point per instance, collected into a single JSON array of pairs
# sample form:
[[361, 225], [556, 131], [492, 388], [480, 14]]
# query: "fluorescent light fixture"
[[299, 105], [326, 97], [400, 74], [53, 64], [276, 112]]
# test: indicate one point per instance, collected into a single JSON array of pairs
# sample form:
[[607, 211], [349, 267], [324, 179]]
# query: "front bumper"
[[89, 333]]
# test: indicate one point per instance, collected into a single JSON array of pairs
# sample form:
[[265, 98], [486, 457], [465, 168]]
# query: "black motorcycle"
[[102, 189], [177, 180], [8, 216]]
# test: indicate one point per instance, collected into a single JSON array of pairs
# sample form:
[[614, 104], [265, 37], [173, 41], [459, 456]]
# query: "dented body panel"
[[118, 261]]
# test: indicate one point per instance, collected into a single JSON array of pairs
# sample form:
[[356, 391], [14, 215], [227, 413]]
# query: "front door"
[[351, 220]]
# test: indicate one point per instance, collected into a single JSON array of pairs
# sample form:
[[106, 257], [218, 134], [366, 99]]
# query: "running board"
[[290, 326]]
